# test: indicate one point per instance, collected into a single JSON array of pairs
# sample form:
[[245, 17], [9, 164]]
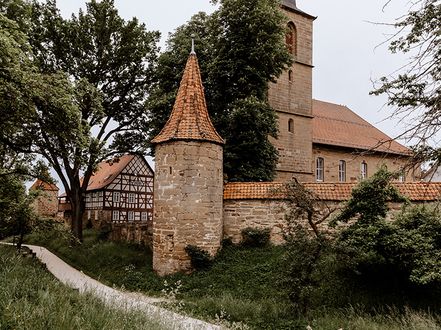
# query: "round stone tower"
[[188, 189]]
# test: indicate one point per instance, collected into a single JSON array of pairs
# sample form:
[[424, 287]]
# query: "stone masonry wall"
[[332, 156], [46, 204], [138, 233], [187, 202], [257, 213], [294, 149], [260, 213], [291, 97]]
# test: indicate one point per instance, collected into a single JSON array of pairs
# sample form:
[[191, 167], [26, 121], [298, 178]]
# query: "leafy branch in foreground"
[[415, 90]]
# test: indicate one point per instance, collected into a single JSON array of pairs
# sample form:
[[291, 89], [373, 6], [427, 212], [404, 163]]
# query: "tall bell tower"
[[291, 97]]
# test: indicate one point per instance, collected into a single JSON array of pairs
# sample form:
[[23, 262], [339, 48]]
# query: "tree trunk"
[[77, 203]]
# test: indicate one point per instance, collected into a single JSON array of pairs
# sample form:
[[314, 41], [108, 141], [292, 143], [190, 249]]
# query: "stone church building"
[[320, 141]]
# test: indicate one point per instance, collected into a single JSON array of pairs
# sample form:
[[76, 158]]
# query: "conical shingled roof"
[[189, 119]]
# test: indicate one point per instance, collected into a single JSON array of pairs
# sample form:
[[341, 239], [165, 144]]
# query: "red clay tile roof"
[[189, 119], [415, 191], [39, 184], [252, 190], [337, 125], [107, 172]]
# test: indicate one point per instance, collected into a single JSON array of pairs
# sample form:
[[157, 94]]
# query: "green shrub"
[[255, 237], [200, 259]]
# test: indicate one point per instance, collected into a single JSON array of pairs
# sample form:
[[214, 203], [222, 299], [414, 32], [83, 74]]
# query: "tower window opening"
[[291, 126], [291, 38]]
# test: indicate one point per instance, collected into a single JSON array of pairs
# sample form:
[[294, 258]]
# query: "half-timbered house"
[[120, 196]]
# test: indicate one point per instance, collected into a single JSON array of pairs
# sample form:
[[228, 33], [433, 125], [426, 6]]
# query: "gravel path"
[[126, 300]]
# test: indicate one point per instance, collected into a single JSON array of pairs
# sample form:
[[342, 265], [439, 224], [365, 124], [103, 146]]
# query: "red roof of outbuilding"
[[337, 125], [42, 185], [189, 119]]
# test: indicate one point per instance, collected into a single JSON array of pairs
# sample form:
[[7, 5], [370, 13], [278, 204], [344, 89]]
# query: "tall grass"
[[113, 263], [30, 298], [353, 319], [243, 285]]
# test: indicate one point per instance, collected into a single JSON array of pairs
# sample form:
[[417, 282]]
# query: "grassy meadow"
[[244, 288], [31, 298]]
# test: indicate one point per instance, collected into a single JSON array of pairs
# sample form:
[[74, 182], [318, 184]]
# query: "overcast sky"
[[346, 56]]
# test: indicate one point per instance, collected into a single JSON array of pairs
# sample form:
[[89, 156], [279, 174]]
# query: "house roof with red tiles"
[[415, 191], [42, 185], [189, 119], [107, 171], [337, 125]]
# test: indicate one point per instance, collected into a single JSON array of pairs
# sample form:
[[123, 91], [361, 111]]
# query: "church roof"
[[189, 119], [42, 185], [337, 125], [415, 191]]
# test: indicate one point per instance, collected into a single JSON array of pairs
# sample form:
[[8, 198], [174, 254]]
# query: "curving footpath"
[[115, 298]]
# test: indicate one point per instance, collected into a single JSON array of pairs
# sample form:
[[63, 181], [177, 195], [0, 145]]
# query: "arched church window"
[[291, 38]]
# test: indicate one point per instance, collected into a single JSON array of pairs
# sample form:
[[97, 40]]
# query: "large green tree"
[[415, 90], [16, 71], [95, 71], [240, 49]]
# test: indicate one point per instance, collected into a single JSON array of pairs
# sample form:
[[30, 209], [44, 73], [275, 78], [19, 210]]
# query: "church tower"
[[188, 188], [291, 97]]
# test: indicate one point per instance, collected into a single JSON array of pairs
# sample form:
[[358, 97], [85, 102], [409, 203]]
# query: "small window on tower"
[[290, 75], [291, 126]]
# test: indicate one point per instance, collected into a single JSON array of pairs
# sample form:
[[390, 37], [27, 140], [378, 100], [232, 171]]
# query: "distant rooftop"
[[42, 185]]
